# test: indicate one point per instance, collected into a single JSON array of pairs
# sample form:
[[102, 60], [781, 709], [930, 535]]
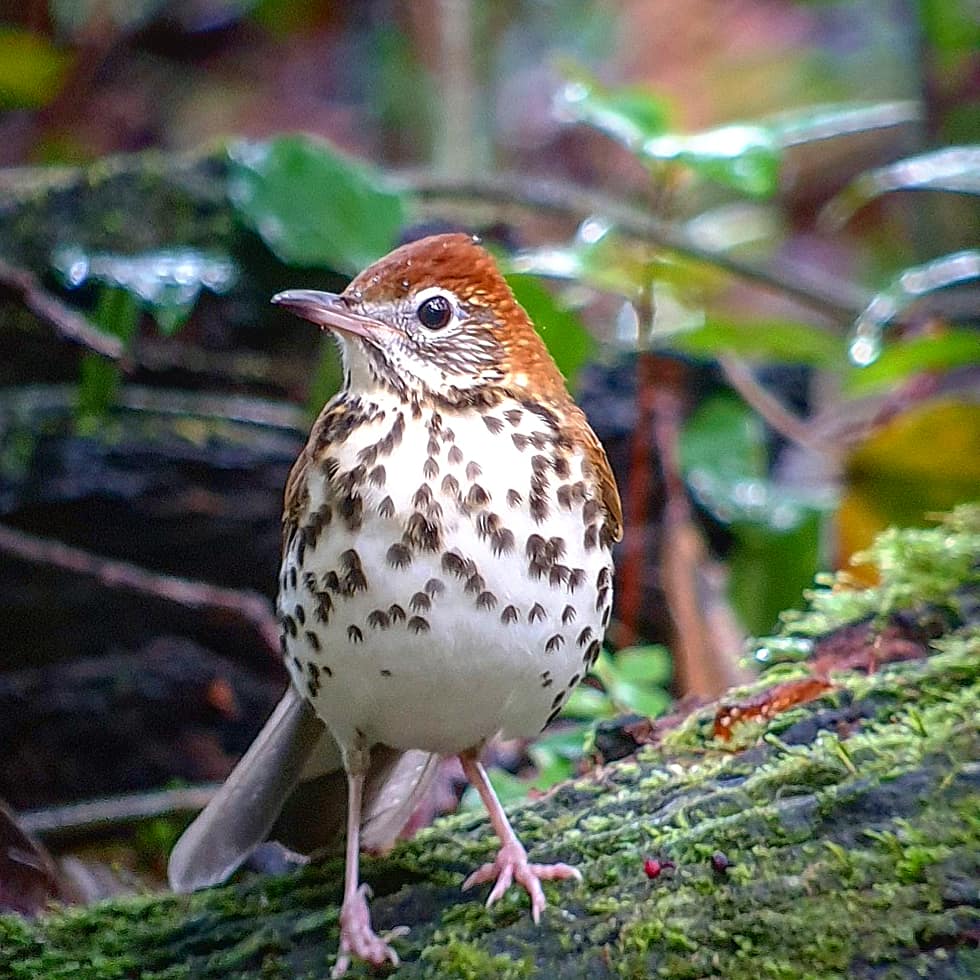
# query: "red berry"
[[652, 867]]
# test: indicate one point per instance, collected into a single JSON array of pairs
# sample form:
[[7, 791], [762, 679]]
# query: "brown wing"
[[607, 484], [296, 497]]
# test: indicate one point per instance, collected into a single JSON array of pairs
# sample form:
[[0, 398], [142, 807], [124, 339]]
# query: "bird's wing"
[[290, 786]]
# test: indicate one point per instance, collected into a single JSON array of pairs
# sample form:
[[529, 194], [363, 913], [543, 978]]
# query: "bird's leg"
[[511, 863], [357, 938]]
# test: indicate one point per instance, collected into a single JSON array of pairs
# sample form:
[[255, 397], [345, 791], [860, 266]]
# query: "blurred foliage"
[[32, 69], [312, 206]]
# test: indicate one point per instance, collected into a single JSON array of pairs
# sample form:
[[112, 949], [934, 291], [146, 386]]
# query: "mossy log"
[[839, 837]]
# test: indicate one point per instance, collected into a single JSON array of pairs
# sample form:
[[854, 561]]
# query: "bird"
[[446, 576]]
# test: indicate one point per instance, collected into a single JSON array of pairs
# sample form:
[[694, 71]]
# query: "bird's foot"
[[359, 940], [511, 865]]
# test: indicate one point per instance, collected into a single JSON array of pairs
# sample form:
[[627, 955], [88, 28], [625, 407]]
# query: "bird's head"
[[434, 319]]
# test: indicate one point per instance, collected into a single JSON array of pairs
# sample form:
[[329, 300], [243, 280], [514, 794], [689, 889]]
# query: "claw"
[[511, 865], [359, 940]]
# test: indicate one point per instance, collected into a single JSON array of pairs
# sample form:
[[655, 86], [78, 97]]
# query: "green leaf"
[[571, 345], [835, 120], [629, 115], [32, 69], [955, 169], [776, 531], [312, 206], [769, 568], [743, 156], [117, 313], [586, 702], [775, 341], [643, 665], [723, 438], [899, 360], [648, 701]]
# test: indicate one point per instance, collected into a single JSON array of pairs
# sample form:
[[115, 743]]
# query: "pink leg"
[[511, 863], [357, 938]]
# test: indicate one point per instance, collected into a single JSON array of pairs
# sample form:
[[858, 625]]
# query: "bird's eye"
[[435, 312]]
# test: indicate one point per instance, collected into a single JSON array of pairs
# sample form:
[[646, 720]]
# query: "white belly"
[[440, 644]]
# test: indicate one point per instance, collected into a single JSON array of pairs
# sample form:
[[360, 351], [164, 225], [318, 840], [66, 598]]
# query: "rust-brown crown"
[[458, 264]]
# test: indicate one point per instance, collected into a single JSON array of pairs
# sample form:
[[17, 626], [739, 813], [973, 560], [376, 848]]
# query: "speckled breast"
[[450, 576]]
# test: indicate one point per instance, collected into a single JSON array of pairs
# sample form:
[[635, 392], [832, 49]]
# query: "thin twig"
[[99, 816], [68, 322], [841, 301], [248, 606], [773, 411]]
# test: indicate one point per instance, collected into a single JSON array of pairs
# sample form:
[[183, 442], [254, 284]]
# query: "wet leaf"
[[313, 206], [955, 169], [32, 69], [571, 345], [912, 284], [629, 115], [166, 282], [903, 358], [743, 156], [835, 120]]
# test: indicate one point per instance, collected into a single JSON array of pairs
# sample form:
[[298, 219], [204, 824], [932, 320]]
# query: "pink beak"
[[331, 310]]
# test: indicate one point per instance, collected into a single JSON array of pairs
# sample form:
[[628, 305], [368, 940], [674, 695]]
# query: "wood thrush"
[[446, 574]]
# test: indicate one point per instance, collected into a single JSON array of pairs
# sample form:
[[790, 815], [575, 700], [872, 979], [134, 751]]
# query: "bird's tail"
[[290, 785]]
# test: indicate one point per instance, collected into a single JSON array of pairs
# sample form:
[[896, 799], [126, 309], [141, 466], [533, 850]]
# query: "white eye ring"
[[435, 309]]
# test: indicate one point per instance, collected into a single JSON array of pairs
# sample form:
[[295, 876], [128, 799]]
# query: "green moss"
[[851, 824]]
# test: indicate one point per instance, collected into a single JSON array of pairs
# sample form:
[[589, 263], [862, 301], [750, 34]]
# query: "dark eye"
[[435, 312]]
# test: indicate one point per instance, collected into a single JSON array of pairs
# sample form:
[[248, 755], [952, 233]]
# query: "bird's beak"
[[330, 310]]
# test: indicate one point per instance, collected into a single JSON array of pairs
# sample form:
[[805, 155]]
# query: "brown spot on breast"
[[377, 476], [396, 613], [351, 509], [398, 556], [430, 468], [418, 625], [420, 602], [509, 615], [434, 587], [378, 619], [453, 563], [520, 440], [514, 416], [477, 496], [493, 424], [584, 636], [567, 615], [354, 634], [474, 584], [514, 498], [455, 455], [554, 643], [502, 541], [486, 600], [536, 612], [473, 470], [386, 508], [422, 533]]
